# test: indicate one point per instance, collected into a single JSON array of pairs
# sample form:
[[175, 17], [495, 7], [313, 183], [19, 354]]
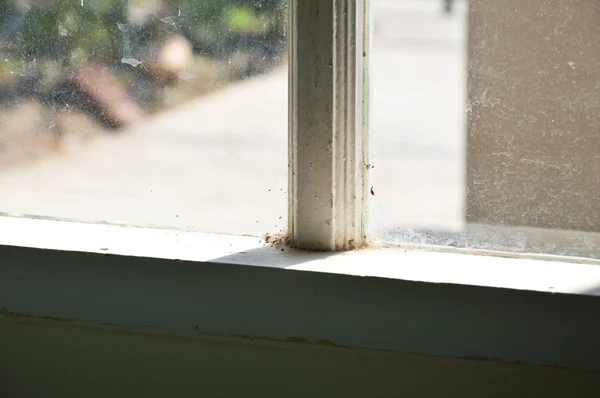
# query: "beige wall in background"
[[534, 113]]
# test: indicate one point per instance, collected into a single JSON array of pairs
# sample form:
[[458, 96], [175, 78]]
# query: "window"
[[217, 163], [485, 118], [419, 79], [145, 113], [472, 150]]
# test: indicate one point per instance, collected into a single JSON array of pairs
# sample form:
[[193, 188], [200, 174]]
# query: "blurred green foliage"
[[219, 26], [70, 32]]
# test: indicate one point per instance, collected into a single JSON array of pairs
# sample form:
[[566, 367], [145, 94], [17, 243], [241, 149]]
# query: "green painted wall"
[[41, 358]]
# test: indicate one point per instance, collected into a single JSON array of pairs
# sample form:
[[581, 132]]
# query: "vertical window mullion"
[[328, 123]]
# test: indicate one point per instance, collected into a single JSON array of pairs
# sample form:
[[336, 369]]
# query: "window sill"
[[414, 301], [542, 273]]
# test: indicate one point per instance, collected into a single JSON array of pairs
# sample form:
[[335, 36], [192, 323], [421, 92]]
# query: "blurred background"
[[161, 113], [70, 69], [173, 114], [419, 64]]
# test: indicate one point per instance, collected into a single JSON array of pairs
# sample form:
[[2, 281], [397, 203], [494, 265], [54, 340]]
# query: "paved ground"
[[219, 164], [419, 141]]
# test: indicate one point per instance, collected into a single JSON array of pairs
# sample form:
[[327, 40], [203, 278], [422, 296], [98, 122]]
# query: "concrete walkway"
[[419, 119], [219, 164]]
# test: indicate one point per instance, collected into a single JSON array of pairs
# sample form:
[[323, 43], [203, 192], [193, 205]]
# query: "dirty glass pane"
[[486, 118], [165, 113]]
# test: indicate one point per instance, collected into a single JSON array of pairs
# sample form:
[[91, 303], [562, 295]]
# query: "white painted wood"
[[225, 296], [552, 274], [328, 123]]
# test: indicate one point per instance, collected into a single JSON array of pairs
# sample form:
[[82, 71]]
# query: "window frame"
[[328, 123], [164, 281]]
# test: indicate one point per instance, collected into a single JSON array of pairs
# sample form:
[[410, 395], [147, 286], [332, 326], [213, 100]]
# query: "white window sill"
[[553, 274], [424, 302]]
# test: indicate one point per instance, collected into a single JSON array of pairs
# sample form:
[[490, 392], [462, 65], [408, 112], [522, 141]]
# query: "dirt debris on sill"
[[278, 240]]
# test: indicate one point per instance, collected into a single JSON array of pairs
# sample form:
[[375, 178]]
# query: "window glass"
[[145, 112], [486, 118]]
